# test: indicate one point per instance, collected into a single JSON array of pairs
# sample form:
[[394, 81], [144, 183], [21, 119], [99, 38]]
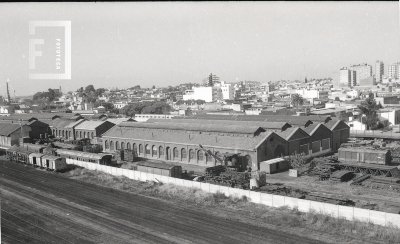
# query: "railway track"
[[149, 212]]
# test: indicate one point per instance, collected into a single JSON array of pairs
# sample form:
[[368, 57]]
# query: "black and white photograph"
[[200, 122]]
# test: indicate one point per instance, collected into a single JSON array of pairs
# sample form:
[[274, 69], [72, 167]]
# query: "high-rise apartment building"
[[379, 71], [394, 70], [363, 71], [347, 77]]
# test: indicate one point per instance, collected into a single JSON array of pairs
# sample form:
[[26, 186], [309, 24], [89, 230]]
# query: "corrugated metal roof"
[[89, 125], [296, 120], [74, 123], [234, 129], [120, 120], [60, 123], [81, 154], [362, 149], [245, 142], [6, 129], [262, 124]]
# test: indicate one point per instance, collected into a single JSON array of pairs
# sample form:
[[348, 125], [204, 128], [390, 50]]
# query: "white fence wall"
[[349, 213]]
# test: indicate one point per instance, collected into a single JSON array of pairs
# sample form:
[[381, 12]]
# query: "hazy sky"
[[126, 44]]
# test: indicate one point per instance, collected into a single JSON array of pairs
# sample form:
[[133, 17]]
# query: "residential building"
[[363, 71], [347, 77], [208, 94], [379, 71], [394, 71]]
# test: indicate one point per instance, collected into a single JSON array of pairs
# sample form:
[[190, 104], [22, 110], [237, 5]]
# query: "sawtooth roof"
[[295, 120]]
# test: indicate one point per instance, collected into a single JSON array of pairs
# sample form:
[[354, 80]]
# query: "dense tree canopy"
[[297, 100], [146, 108], [370, 109]]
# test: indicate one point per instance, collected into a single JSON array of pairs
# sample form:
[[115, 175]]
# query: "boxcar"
[[364, 155], [53, 163], [36, 159], [99, 158], [160, 169]]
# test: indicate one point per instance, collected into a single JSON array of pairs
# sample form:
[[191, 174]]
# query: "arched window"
[[140, 149], [160, 152], [66, 134], [117, 145], [128, 146], [183, 154], [148, 152], [80, 134], [168, 153], [106, 145], [76, 136], [54, 132], [154, 151], [134, 147], [84, 134], [111, 145], [200, 155], [59, 133], [122, 145], [192, 156], [92, 135], [209, 158], [69, 134], [176, 153], [63, 135]]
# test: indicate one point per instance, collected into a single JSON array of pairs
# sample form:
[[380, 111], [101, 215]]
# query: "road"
[[44, 207]]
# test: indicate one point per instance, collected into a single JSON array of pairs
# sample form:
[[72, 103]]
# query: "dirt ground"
[[363, 197]]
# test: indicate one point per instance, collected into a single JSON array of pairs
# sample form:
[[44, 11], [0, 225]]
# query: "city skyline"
[[161, 44]]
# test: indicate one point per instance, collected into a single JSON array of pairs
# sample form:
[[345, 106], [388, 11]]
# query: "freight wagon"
[[36, 159], [364, 155], [160, 169], [53, 163], [17, 155], [99, 158]]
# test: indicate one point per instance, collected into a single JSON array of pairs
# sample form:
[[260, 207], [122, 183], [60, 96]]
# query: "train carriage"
[[98, 158], [53, 162], [17, 155], [36, 159]]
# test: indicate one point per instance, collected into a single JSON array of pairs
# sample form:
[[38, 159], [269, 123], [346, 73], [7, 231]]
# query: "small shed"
[[160, 169], [36, 159], [274, 165], [54, 163]]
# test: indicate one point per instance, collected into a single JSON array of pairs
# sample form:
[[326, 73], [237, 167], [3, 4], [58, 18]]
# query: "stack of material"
[[231, 179], [119, 155], [93, 148], [215, 171], [359, 180], [129, 155], [342, 175]]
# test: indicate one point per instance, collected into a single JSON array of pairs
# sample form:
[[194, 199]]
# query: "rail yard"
[[44, 207]]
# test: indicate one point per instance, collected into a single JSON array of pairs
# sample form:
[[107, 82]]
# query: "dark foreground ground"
[[43, 207]]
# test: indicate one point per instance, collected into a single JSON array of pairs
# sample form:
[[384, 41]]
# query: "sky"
[[170, 43]]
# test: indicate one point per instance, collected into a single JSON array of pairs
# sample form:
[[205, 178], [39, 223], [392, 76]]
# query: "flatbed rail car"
[[17, 155], [99, 158], [160, 169]]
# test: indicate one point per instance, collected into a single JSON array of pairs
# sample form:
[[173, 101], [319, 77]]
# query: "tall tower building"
[[347, 77], [379, 71], [363, 71], [394, 70]]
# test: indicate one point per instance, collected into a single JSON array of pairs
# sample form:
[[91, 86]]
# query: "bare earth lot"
[[44, 207]]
